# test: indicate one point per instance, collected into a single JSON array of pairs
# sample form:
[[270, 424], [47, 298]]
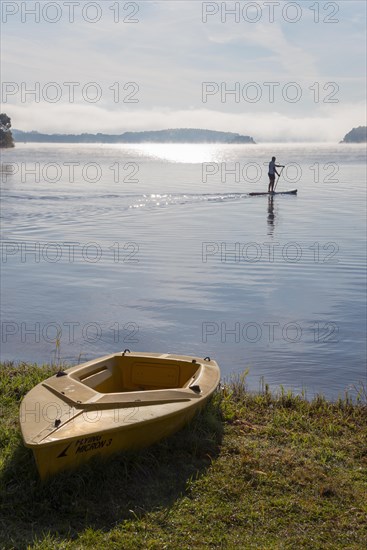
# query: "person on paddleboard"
[[272, 171]]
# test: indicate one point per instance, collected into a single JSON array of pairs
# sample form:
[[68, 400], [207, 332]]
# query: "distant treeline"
[[6, 138], [177, 135]]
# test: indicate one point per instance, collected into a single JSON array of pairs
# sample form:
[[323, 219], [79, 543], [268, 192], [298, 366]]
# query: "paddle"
[[278, 179]]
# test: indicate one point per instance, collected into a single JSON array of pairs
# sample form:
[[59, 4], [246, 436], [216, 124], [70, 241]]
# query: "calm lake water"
[[160, 248]]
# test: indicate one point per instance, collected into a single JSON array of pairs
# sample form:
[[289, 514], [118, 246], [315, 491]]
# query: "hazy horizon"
[[118, 133], [279, 72]]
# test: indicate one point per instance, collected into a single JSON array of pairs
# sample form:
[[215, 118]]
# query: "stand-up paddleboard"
[[291, 192]]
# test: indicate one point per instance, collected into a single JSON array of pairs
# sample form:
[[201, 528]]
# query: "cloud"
[[288, 59], [330, 124]]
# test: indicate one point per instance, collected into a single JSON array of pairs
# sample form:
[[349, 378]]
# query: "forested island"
[[357, 135], [176, 135]]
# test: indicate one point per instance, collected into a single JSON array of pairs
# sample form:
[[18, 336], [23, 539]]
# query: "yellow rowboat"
[[118, 402]]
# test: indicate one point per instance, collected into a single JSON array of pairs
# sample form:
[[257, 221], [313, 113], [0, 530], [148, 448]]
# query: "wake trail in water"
[[109, 201], [25, 211], [179, 199]]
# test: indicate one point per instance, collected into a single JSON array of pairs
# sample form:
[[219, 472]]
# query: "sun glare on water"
[[186, 153]]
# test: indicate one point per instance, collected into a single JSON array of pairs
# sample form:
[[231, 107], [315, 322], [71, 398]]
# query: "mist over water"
[[160, 248]]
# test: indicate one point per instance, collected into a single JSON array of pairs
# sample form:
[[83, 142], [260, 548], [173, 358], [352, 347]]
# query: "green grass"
[[252, 471]]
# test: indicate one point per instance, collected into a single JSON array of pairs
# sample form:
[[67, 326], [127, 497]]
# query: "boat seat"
[[97, 378], [73, 390]]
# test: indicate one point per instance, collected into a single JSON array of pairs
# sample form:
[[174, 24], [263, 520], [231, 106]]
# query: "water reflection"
[[271, 216]]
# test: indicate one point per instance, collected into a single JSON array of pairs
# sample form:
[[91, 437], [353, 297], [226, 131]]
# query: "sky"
[[278, 71]]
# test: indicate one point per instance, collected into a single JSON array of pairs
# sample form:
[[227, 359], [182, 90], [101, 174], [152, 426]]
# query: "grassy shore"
[[251, 471]]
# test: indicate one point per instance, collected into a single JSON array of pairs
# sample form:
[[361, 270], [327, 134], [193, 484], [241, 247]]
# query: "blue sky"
[[298, 69]]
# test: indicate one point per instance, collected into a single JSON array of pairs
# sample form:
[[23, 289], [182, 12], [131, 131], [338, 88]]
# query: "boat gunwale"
[[128, 398]]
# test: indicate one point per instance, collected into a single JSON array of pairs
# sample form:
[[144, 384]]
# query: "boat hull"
[[68, 419], [56, 457]]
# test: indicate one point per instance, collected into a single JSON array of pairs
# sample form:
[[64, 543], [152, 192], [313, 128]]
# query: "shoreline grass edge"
[[253, 470]]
